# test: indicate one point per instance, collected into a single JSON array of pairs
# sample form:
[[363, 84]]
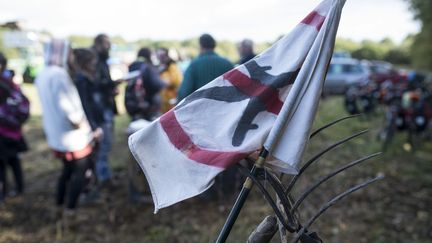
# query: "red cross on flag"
[[270, 100]]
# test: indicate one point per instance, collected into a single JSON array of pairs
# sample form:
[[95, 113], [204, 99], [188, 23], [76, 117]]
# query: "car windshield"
[[344, 68], [381, 69]]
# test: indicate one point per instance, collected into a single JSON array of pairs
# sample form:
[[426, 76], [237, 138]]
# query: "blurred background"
[[384, 30], [381, 67]]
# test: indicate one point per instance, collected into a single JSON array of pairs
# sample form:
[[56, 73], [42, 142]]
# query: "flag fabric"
[[290, 133], [237, 113]]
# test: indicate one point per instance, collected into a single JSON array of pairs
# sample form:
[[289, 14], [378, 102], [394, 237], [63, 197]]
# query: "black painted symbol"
[[259, 100]]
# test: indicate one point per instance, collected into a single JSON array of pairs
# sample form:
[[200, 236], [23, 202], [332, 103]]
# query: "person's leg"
[[78, 180], [15, 164], [135, 185], [90, 192], [2, 180], [63, 181], [103, 171]]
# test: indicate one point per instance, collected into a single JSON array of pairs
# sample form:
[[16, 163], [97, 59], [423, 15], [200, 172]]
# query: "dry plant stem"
[[317, 156], [331, 203], [326, 178]]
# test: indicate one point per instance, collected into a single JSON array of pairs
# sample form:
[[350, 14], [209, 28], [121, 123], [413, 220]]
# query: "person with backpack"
[[143, 103], [142, 95], [66, 126], [14, 111]]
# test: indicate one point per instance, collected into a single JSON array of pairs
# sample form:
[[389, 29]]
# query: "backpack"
[[135, 97], [14, 107], [142, 99]]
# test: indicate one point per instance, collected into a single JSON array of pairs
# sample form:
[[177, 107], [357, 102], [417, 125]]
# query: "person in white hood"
[[66, 127]]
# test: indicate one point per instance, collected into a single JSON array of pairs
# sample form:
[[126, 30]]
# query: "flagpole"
[[241, 198]]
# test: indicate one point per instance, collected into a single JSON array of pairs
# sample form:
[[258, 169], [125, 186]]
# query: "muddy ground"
[[397, 209]]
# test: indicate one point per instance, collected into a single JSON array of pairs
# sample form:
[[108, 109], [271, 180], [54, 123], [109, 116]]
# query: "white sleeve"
[[69, 100]]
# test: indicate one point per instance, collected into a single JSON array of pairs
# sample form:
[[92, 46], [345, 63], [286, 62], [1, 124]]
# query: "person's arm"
[[86, 101], [104, 82], [155, 83], [187, 86], [103, 76], [69, 100]]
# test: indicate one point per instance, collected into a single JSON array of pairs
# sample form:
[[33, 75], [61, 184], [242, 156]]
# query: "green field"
[[397, 209]]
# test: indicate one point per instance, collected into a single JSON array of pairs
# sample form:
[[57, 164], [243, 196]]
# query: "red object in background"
[[394, 76], [383, 71]]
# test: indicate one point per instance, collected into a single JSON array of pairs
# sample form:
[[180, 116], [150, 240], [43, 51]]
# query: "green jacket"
[[206, 67]]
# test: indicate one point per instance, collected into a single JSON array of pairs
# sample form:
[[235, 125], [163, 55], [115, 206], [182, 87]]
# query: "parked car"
[[341, 54], [343, 73], [381, 71]]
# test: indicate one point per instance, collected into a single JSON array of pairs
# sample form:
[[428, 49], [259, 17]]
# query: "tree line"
[[386, 49], [415, 51], [421, 48]]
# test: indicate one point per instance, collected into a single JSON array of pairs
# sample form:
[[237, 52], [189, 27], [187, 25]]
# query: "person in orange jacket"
[[171, 74]]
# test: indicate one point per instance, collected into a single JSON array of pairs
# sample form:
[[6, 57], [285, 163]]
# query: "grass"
[[396, 209]]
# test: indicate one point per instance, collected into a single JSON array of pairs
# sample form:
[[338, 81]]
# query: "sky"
[[263, 20]]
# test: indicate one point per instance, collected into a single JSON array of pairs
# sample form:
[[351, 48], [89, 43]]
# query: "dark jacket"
[[105, 84], [152, 85], [151, 80], [14, 111], [91, 99], [246, 58]]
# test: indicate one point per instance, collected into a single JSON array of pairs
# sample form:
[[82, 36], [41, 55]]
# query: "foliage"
[[398, 56], [385, 49], [370, 50], [422, 51], [348, 45], [422, 47], [8, 52], [227, 49], [187, 48], [79, 41], [412, 48]]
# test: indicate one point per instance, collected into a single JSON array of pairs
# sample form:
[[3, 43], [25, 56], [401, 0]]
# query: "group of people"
[[77, 96], [166, 85]]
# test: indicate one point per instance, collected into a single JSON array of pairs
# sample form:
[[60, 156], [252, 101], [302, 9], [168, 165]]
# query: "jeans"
[[103, 171]]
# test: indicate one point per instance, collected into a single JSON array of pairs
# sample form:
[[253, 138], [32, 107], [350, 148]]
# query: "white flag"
[[290, 134], [231, 117]]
